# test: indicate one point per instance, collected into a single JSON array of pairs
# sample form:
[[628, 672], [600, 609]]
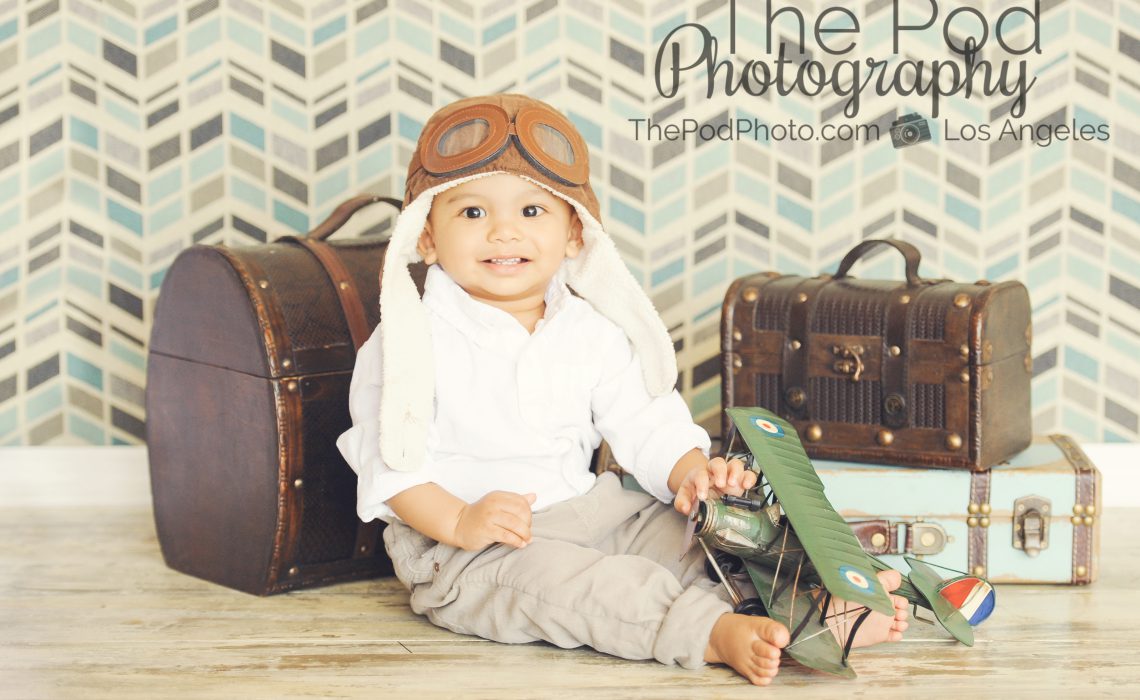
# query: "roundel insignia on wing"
[[856, 578], [768, 427]]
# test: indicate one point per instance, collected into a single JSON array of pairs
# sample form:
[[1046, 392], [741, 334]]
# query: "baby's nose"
[[505, 230]]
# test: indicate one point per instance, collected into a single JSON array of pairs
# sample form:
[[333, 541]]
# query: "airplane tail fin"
[[973, 597]]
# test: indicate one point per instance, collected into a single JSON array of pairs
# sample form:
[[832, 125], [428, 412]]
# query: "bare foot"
[[750, 645], [877, 627]]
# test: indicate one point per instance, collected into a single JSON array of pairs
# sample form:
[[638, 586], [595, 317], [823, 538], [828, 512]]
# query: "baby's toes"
[[764, 650]]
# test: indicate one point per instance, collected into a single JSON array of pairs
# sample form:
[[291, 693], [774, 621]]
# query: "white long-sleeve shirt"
[[520, 412]]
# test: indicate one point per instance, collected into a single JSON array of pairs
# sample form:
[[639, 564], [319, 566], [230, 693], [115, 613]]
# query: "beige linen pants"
[[603, 569]]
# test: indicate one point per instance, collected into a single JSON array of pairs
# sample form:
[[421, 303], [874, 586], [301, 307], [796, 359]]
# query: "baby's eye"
[[478, 215], [532, 210]]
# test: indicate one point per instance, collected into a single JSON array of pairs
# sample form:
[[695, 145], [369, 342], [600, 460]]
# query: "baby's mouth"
[[506, 261]]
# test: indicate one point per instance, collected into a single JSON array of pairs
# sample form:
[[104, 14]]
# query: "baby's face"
[[500, 237]]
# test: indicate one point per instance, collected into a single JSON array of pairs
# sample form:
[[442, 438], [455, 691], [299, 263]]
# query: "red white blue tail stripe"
[[972, 596]]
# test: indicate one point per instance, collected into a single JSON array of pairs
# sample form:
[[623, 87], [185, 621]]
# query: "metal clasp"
[[926, 538], [850, 362], [1031, 524]]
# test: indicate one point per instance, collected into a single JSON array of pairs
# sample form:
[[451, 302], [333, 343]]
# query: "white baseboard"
[[118, 476]]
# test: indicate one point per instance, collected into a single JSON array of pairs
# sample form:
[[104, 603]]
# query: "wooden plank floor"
[[87, 609]]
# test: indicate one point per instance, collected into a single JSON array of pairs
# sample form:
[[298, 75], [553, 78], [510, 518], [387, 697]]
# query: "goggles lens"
[[463, 137], [553, 144]]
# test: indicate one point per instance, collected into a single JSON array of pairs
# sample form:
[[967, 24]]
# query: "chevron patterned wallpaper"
[[131, 130]]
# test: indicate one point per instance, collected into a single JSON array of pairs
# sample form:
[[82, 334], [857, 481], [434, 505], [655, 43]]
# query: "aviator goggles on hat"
[[476, 135]]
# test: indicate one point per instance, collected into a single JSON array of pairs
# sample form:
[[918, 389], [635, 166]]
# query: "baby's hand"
[[725, 477], [500, 516]]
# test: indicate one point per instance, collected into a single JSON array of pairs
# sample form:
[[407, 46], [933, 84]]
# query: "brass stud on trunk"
[[1088, 520], [1078, 509], [796, 397], [750, 294], [971, 521], [796, 345], [344, 285], [1081, 571], [895, 351], [291, 386], [264, 284], [885, 438], [986, 509], [961, 300], [984, 521], [814, 433], [801, 297], [878, 539], [904, 299], [286, 363], [953, 441], [293, 571], [964, 351], [737, 363], [978, 570], [737, 336], [973, 509], [964, 376], [1076, 520], [298, 483]]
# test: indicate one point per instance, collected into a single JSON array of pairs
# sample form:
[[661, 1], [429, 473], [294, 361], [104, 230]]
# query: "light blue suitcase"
[[1032, 519]]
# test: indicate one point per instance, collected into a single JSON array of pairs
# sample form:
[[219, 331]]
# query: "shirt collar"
[[479, 321]]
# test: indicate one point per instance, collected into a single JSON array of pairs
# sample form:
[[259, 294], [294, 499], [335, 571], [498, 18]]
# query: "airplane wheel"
[[730, 564], [751, 606]]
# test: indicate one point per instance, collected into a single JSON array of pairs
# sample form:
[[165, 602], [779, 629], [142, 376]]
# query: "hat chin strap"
[[597, 274]]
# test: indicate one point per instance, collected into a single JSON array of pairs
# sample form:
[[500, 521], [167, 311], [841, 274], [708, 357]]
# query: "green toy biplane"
[[786, 538]]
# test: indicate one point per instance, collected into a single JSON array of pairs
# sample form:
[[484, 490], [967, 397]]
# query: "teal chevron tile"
[[127, 275], [661, 30], [667, 272], [498, 29], [1093, 27], [541, 35], [456, 28], [247, 131], [373, 71], [44, 39], [128, 354], [531, 77], [85, 430], [1054, 27], [1125, 205], [1129, 15], [10, 218], [156, 279], [416, 36], [409, 128], [1122, 261], [370, 36], [84, 133], [160, 30], [81, 36], [204, 36], [329, 30], [876, 31], [1082, 364], [209, 68], [752, 188], [246, 34], [291, 217], [714, 274], [1109, 436], [791, 266], [1005, 208], [41, 311], [120, 29], [85, 279], [1043, 159], [838, 212], [44, 402], [9, 419], [664, 216], [742, 113], [591, 131], [170, 214], [379, 160], [1079, 424], [164, 186], [668, 182], [837, 180], [963, 212], [706, 400], [742, 267], [84, 371], [290, 30], [127, 217], [628, 215], [957, 267], [8, 30], [119, 111], [1088, 272], [9, 277], [706, 313], [10, 188], [920, 186], [794, 212], [1005, 178], [577, 30], [333, 186], [85, 195], [878, 158], [207, 163], [1002, 268], [632, 30], [711, 158], [245, 191], [1087, 183], [1044, 390], [45, 168], [44, 75]]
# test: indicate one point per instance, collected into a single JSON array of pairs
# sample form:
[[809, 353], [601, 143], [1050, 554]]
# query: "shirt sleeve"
[[360, 444], [647, 434]]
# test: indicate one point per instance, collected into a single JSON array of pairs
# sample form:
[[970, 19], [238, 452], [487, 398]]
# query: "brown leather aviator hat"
[[476, 137]]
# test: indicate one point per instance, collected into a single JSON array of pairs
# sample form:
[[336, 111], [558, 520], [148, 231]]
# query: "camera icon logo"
[[908, 130]]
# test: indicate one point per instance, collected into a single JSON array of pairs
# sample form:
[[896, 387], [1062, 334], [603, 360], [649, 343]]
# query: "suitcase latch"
[[850, 360], [926, 538], [1031, 524]]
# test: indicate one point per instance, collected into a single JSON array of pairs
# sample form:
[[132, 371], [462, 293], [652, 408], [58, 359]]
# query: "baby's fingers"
[[735, 478], [509, 538], [718, 471]]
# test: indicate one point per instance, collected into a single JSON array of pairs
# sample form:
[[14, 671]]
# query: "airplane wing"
[[843, 567], [928, 581], [815, 647]]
